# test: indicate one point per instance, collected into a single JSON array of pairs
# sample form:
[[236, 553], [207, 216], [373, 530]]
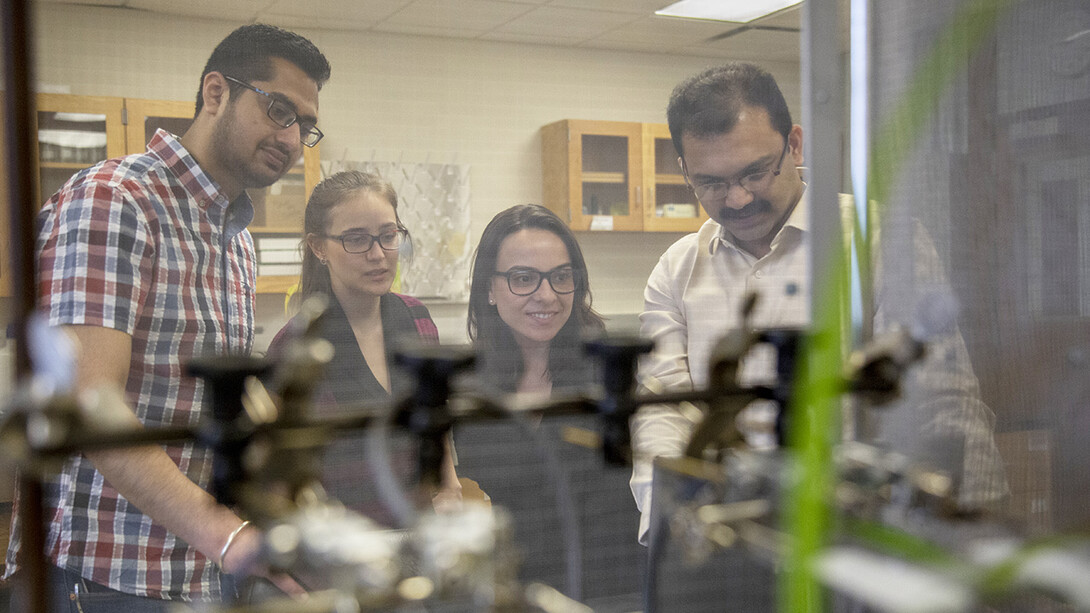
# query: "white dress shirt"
[[695, 295]]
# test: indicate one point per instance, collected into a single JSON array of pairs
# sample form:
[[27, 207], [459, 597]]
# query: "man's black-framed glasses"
[[361, 242], [754, 182], [283, 115], [523, 281]]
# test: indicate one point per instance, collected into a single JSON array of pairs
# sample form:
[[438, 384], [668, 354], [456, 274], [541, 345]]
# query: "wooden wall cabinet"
[[75, 132], [614, 175]]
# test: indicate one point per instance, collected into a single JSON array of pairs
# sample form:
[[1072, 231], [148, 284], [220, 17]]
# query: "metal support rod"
[[806, 510], [19, 115], [19, 118]]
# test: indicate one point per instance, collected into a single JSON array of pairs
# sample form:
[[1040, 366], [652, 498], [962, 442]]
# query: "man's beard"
[[228, 150]]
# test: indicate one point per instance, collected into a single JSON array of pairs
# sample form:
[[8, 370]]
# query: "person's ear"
[[317, 246], [215, 92], [794, 141], [491, 297]]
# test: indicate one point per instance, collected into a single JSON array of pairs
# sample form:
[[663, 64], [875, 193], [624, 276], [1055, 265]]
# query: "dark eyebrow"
[[515, 269], [362, 230], [759, 165], [282, 99]]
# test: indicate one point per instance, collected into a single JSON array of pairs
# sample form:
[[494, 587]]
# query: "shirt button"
[[758, 274]]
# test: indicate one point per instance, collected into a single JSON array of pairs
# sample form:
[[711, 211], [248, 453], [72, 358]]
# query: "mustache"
[[753, 208]]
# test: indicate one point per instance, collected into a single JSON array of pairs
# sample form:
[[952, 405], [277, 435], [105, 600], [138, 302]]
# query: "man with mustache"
[[740, 154], [146, 261]]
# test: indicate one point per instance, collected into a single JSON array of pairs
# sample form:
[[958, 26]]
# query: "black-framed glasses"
[[753, 182], [523, 281], [283, 115], [361, 242]]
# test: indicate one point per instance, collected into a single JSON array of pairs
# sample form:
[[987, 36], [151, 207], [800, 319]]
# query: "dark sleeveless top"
[[349, 385]]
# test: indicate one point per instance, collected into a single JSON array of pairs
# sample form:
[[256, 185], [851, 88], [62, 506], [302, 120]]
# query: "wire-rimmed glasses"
[[754, 182]]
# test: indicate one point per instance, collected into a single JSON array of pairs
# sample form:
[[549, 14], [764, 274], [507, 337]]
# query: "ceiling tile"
[[369, 12], [427, 30], [757, 45], [656, 30], [475, 16], [322, 21], [572, 24], [236, 11], [640, 7], [529, 39]]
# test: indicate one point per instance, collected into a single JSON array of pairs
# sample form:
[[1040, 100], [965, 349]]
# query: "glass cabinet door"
[[75, 132], [593, 173], [144, 117], [604, 179], [669, 203]]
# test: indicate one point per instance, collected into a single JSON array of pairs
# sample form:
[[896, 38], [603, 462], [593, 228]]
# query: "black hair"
[[500, 360], [246, 52], [709, 103]]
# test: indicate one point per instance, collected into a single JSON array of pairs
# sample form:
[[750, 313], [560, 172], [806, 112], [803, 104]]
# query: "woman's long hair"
[[314, 277], [500, 358]]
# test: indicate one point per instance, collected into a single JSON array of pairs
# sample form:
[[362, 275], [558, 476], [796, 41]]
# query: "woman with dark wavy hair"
[[530, 303]]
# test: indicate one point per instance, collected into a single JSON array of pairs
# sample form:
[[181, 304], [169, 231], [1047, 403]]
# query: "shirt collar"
[[797, 221], [200, 186]]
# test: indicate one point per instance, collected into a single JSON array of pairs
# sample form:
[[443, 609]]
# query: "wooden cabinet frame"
[[576, 176]]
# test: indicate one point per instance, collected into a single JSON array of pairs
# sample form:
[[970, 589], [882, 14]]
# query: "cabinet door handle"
[[638, 190]]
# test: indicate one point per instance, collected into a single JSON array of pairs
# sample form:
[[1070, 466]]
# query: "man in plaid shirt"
[[146, 260]]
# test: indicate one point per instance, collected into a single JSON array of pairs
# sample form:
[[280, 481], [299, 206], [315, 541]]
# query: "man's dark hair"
[[708, 104], [245, 55]]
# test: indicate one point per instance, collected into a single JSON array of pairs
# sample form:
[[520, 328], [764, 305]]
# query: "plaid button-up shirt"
[[146, 244]]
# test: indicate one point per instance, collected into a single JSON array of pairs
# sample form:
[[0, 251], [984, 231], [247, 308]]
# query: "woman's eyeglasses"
[[361, 242], [524, 281]]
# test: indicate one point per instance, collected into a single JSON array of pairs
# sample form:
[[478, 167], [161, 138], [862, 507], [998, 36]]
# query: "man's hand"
[[243, 558]]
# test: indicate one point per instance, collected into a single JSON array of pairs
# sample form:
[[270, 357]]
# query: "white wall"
[[394, 97]]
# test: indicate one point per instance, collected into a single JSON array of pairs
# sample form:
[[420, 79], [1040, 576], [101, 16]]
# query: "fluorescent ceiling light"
[[739, 11]]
